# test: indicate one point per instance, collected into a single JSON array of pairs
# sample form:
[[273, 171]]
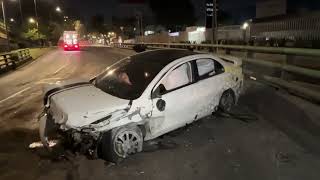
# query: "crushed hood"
[[81, 105]]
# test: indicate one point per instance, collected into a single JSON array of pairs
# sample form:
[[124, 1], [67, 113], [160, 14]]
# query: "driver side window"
[[179, 77]]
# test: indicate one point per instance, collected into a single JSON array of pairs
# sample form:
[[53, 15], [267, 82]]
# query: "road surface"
[[214, 148]]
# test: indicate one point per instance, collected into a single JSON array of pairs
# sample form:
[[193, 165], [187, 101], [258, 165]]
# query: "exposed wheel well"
[[232, 92], [143, 129]]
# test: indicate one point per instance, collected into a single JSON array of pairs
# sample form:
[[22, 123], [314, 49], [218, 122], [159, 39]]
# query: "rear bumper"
[[71, 49]]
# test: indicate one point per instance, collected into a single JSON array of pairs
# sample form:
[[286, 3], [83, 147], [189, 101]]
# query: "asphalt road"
[[213, 148]]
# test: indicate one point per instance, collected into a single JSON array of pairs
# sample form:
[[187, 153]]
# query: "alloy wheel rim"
[[126, 143]]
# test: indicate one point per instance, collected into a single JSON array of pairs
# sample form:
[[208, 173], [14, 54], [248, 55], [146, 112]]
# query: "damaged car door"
[[172, 100], [210, 82]]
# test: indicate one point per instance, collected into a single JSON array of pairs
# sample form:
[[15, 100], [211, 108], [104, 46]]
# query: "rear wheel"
[[118, 144], [227, 101]]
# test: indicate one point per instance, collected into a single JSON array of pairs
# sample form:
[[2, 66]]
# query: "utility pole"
[[20, 11], [37, 19], [214, 23], [5, 24]]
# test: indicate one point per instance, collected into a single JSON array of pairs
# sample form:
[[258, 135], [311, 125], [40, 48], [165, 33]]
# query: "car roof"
[[161, 57]]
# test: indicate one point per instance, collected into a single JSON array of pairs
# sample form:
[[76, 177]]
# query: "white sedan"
[[140, 98]]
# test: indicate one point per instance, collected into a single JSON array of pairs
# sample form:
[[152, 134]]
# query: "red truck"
[[70, 40]]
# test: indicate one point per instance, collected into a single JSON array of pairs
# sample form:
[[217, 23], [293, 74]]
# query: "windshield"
[[128, 78]]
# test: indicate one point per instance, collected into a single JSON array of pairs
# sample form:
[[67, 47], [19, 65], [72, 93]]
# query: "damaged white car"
[[140, 98]]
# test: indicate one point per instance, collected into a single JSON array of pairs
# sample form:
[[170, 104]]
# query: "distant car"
[[140, 98]]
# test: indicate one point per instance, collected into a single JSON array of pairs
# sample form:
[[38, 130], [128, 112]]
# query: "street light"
[[245, 25], [58, 9], [11, 20], [20, 8], [31, 20]]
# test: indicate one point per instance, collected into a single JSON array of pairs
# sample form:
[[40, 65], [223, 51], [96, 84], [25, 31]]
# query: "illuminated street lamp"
[[245, 25], [20, 8], [58, 9], [32, 21], [11, 20]]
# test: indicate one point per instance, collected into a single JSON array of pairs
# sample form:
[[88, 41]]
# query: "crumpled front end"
[[84, 141]]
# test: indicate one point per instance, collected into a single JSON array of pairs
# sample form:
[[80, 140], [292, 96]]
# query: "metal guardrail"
[[284, 66], [10, 60]]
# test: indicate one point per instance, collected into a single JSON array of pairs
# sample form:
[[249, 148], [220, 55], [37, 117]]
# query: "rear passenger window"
[[208, 67]]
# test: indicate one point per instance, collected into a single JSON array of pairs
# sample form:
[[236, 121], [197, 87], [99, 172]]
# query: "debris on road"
[[284, 157], [40, 145]]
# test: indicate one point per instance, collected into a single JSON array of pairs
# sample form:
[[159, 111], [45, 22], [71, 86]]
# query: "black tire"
[[227, 101], [108, 150]]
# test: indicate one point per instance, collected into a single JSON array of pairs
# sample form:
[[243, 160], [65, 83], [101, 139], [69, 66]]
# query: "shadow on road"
[[285, 115]]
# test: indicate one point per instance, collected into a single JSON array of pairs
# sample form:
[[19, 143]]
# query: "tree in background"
[[79, 27], [33, 35]]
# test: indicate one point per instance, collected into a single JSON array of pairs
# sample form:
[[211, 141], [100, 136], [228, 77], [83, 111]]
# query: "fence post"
[[5, 60], [228, 51], [284, 74], [14, 59]]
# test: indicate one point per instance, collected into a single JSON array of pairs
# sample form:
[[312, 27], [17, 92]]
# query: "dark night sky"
[[246, 8], [239, 9]]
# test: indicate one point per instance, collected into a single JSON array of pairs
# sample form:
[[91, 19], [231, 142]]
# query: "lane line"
[[58, 70], [15, 94], [45, 81], [68, 60]]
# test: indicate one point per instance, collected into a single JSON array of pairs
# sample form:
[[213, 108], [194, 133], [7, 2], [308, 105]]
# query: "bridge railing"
[[10, 60], [284, 69]]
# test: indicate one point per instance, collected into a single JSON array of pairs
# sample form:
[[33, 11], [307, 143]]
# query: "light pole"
[[214, 22], [36, 13], [5, 24], [21, 16]]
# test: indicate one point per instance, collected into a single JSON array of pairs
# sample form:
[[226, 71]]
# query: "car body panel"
[[83, 105]]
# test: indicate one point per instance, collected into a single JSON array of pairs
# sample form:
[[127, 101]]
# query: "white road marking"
[[47, 81], [15, 94], [58, 70]]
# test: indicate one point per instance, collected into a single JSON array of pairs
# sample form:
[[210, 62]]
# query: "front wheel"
[[119, 143]]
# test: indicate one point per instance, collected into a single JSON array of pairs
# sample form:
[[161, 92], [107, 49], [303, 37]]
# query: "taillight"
[[76, 46], [65, 45]]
